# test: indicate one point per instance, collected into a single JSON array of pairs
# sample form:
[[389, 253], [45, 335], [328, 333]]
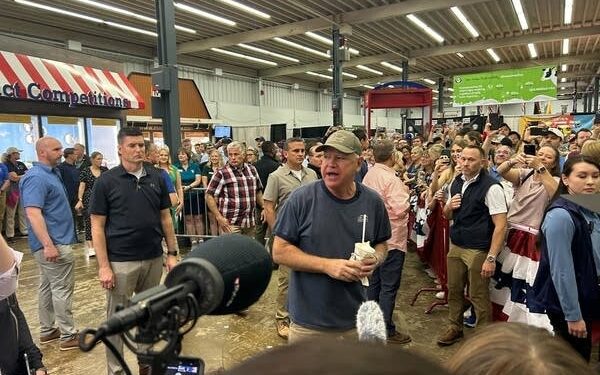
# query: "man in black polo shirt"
[[130, 216], [267, 164], [70, 178]]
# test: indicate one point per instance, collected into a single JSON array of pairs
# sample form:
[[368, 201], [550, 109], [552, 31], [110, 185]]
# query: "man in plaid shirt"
[[234, 192]]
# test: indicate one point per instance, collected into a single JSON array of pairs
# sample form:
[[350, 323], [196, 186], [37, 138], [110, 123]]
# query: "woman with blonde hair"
[[164, 162]]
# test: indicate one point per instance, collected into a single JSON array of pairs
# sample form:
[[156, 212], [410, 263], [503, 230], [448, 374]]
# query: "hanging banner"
[[505, 87], [567, 123]]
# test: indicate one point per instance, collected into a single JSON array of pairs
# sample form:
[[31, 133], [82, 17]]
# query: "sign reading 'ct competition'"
[[505, 86], [32, 78]]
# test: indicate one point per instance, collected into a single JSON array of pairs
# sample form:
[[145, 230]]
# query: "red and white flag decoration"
[[34, 78]]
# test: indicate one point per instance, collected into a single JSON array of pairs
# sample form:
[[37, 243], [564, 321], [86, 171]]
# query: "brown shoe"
[[145, 369], [70, 344], [52, 336], [283, 328], [449, 337], [399, 338]]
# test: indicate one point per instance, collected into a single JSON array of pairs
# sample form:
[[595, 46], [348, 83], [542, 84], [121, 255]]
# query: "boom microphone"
[[370, 324], [225, 275]]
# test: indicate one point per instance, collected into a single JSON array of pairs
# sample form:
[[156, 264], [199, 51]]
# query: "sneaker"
[[440, 295], [70, 344], [283, 328], [52, 336], [398, 338], [242, 313], [91, 252], [451, 336], [470, 321], [430, 273]]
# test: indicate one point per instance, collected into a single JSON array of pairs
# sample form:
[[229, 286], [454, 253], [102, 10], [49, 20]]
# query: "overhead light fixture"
[[368, 86], [563, 80], [246, 8], [319, 75], [201, 13], [466, 23], [520, 14], [391, 66], [367, 69], [460, 55], [568, 12], [266, 52], [84, 17], [563, 88], [432, 33], [565, 47], [300, 46], [430, 81], [532, 51], [245, 57], [493, 54], [563, 68], [325, 40], [128, 13], [450, 89], [350, 75], [435, 98], [435, 91]]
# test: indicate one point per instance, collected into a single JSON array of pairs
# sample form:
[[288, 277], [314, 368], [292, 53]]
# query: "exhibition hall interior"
[[220, 91]]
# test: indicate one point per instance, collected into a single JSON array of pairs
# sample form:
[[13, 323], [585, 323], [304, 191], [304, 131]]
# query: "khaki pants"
[[283, 279], [250, 231], [130, 277], [12, 214], [299, 333], [464, 265]]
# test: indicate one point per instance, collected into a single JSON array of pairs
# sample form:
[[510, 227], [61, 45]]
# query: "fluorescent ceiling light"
[[493, 54], [563, 79], [300, 46], [432, 33], [565, 47], [266, 52], [59, 11], [430, 81], [391, 66], [87, 18], [245, 57], [450, 89], [563, 68], [325, 40], [563, 88], [460, 55], [345, 74], [568, 12], [319, 75], [436, 91], [128, 13], [520, 14], [368, 86], [435, 98], [201, 13], [367, 69], [130, 28], [246, 8], [532, 51], [466, 23]]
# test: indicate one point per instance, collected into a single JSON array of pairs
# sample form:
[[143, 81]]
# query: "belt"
[[524, 228]]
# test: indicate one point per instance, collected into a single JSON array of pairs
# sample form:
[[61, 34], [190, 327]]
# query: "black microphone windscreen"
[[244, 265]]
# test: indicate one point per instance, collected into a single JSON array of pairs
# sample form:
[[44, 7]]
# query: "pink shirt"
[[394, 193]]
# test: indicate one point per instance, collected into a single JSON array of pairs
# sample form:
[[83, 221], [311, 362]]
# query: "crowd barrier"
[[194, 221]]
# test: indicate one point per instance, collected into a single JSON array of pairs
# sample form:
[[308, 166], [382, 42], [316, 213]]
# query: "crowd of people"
[[486, 213]]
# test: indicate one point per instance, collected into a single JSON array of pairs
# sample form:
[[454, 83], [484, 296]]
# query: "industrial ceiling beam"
[[355, 17], [444, 50]]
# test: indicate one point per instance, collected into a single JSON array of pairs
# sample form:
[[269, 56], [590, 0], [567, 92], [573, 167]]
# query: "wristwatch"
[[541, 170], [491, 258], [173, 253]]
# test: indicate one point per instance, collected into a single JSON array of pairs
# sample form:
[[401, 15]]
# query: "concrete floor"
[[221, 341]]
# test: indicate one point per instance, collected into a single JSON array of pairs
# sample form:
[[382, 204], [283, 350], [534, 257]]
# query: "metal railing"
[[194, 220]]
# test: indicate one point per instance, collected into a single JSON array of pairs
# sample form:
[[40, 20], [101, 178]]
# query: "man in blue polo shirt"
[[51, 234]]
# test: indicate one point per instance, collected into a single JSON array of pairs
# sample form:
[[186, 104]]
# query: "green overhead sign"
[[505, 86]]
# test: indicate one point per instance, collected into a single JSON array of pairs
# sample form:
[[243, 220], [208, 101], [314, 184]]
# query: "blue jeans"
[[384, 285]]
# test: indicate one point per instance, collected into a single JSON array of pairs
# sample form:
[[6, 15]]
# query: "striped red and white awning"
[[55, 81]]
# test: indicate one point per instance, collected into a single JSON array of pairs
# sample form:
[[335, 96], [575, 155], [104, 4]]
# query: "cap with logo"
[[344, 141], [12, 150]]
